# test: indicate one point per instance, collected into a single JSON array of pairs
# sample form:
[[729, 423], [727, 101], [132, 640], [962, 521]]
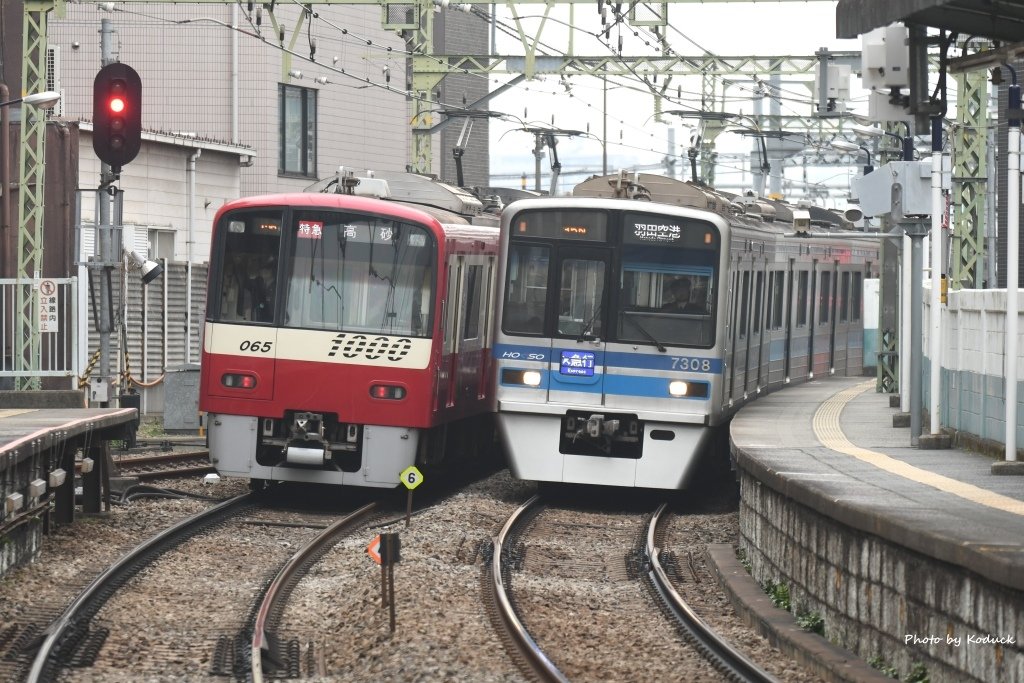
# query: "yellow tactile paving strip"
[[826, 428], [16, 411]]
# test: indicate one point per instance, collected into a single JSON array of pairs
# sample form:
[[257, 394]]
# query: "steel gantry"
[[32, 189], [970, 151]]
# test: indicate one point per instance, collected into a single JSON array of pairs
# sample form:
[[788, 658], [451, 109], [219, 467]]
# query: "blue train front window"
[[667, 281], [526, 289], [580, 296]]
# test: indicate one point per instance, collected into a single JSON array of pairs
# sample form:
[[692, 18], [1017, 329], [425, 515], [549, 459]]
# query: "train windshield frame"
[[325, 269], [651, 280]]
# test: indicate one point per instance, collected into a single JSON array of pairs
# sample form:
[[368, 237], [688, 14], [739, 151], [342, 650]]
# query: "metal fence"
[[52, 344]]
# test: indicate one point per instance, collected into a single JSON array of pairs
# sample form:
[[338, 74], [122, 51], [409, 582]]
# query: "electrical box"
[[838, 82], [98, 390], [181, 399], [874, 190], [885, 58]]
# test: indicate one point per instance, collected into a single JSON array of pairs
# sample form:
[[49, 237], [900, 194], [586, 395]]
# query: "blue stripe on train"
[[617, 359], [616, 385]]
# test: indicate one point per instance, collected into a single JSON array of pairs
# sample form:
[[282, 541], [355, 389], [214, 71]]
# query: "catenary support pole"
[[1012, 265], [935, 305]]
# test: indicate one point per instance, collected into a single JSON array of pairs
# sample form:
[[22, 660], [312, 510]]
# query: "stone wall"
[[879, 599]]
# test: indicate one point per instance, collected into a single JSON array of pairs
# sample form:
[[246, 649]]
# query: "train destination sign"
[[577, 363]]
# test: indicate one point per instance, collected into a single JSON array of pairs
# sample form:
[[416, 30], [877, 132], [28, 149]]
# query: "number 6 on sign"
[[411, 477]]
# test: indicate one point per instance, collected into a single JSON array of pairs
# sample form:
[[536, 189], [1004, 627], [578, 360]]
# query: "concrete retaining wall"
[[876, 597]]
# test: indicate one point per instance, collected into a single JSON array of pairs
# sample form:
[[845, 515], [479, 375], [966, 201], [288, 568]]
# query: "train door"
[[812, 319], [449, 380], [578, 321], [790, 306], [842, 323], [833, 304], [470, 333]]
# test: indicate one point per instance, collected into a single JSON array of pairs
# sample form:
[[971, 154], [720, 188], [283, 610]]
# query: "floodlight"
[[150, 270]]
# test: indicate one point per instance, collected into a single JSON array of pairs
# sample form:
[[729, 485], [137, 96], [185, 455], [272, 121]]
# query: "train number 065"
[[255, 346], [692, 364]]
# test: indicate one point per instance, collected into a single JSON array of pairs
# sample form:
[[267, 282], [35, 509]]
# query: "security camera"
[[150, 270]]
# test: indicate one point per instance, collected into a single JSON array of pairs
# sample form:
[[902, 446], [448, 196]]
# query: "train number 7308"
[[691, 364]]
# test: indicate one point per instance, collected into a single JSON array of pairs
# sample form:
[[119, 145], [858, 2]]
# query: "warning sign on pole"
[[373, 550], [48, 321]]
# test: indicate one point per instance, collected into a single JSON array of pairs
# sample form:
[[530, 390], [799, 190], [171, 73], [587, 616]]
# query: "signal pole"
[[105, 229]]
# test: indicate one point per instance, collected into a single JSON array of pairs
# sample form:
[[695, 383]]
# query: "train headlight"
[[678, 389], [530, 378]]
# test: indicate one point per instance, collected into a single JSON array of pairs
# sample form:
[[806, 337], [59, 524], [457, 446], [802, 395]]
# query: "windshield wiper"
[[643, 330], [585, 332]]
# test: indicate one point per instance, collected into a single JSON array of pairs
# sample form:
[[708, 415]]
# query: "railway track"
[[546, 654], [224, 627], [70, 636], [165, 465]]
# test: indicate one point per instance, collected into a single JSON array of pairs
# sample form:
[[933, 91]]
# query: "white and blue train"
[[631, 329]]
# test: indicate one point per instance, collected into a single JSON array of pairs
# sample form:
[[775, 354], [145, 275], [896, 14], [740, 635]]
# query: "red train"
[[346, 338]]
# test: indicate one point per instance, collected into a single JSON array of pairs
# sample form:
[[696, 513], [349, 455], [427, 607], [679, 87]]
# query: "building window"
[[298, 131], [161, 244]]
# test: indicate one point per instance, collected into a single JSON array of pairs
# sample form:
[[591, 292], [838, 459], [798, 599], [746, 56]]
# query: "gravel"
[[442, 630]]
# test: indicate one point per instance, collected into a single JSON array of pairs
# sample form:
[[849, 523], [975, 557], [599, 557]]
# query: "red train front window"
[[360, 273]]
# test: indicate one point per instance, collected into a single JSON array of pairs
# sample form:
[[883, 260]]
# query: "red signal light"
[[117, 115]]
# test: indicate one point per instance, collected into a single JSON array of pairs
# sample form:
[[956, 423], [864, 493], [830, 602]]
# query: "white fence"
[[973, 387], [55, 312]]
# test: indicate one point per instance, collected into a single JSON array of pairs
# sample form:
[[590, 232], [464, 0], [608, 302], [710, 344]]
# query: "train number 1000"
[[691, 364]]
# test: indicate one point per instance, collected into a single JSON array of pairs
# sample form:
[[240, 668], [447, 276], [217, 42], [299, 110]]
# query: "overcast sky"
[[634, 137]]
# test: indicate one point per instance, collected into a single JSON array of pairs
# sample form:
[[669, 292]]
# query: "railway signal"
[[117, 115]]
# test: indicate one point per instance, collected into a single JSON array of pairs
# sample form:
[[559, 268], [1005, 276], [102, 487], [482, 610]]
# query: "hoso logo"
[[370, 348]]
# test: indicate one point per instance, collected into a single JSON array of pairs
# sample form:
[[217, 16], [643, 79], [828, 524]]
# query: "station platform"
[[912, 557], [41, 447]]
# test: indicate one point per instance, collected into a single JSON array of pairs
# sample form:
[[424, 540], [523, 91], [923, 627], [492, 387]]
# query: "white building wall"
[[186, 71], [156, 191]]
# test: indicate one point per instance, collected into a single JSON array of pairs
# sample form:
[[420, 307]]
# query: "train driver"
[[680, 291]]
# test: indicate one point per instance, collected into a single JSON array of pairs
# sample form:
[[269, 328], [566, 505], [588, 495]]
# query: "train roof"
[[746, 208], [449, 204], [334, 201]]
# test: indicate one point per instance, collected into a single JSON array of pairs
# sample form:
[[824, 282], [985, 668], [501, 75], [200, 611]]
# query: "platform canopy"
[[994, 19]]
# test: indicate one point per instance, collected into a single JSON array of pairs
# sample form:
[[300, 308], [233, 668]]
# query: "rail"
[[539, 664], [271, 605], [60, 634], [715, 648]]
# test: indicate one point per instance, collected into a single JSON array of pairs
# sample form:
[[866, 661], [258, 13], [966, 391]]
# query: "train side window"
[[776, 290], [801, 298], [844, 300], [744, 302], [855, 296], [825, 298], [471, 328], [758, 300]]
